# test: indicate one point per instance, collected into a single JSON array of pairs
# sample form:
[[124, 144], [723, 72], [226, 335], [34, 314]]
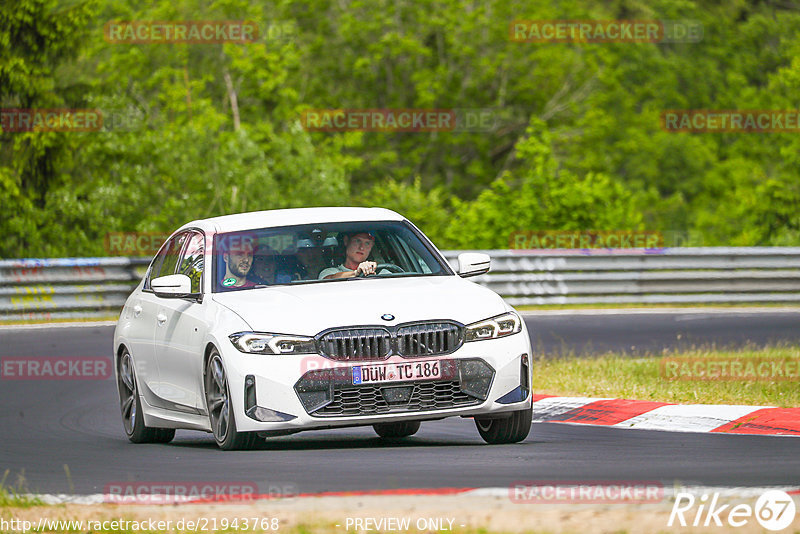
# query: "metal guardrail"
[[672, 275], [43, 289], [64, 288]]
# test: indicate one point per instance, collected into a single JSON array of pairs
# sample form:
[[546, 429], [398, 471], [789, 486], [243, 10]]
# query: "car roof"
[[287, 217]]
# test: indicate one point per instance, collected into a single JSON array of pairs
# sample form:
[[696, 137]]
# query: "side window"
[[167, 258], [155, 266], [191, 263]]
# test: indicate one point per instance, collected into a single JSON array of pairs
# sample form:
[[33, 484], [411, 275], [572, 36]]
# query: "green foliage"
[[538, 195], [414, 203], [197, 130], [37, 43]]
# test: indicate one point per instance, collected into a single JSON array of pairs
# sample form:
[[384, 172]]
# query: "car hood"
[[307, 309]]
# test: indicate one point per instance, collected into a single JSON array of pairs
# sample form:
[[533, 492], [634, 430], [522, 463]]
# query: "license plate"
[[396, 372]]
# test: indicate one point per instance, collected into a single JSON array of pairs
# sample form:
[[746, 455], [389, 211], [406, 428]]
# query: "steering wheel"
[[391, 267]]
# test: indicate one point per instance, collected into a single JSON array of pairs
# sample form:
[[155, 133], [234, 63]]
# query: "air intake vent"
[[371, 400], [428, 339], [410, 340], [356, 344]]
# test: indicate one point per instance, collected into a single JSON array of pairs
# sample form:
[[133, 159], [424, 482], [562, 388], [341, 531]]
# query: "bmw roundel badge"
[[387, 317]]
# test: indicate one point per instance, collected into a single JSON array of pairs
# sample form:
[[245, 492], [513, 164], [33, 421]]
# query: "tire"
[[220, 409], [130, 405], [396, 430], [509, 430]]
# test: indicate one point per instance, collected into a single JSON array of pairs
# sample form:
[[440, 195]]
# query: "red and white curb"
[[649, 415]]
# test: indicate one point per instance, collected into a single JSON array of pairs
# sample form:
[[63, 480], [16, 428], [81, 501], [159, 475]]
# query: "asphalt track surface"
[[66, 436], [639, 333]]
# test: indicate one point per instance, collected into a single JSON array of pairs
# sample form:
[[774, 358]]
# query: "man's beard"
[[237, 272]]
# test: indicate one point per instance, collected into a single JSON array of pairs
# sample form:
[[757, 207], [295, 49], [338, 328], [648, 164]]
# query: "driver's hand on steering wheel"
[[366, 268]]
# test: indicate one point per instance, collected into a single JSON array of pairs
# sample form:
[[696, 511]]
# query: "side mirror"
[[473, 264], [172, 286]]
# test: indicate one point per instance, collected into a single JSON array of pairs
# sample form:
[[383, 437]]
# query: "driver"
[[357, 249]]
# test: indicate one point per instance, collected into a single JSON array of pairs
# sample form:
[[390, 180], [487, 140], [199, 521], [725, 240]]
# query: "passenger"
[[309, 258], [238, 261], [264, 264], [357, 249]]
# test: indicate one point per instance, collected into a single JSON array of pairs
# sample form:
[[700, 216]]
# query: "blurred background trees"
[[198, 130]]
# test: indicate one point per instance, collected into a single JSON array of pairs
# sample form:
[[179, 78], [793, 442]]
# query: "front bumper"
[[335, 392], [305, 392]]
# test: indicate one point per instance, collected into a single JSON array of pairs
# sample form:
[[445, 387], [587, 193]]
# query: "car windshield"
[[301, 254]]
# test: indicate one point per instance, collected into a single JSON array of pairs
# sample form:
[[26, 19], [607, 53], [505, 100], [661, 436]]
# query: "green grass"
[[11, 499], [641, 378], [16, 497]]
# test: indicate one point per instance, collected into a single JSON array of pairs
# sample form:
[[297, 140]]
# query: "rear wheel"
[[508, 430], [396, 430], [220, 409], [131, 406]]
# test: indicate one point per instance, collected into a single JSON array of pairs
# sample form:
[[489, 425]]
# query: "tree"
[[38, 42], [539, 195]]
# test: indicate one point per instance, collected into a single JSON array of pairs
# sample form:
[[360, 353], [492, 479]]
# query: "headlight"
[[494, 327], [263, 343]]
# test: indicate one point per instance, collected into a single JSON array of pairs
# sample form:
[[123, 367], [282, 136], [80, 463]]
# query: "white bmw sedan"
[[269, 323]]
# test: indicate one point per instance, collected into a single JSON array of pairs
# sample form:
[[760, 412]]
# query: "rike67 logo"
[[774, 510]]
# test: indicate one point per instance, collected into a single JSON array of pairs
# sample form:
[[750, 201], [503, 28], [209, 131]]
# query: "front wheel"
[[220, 409], [396, 430], [131, 406], [508, 430]]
